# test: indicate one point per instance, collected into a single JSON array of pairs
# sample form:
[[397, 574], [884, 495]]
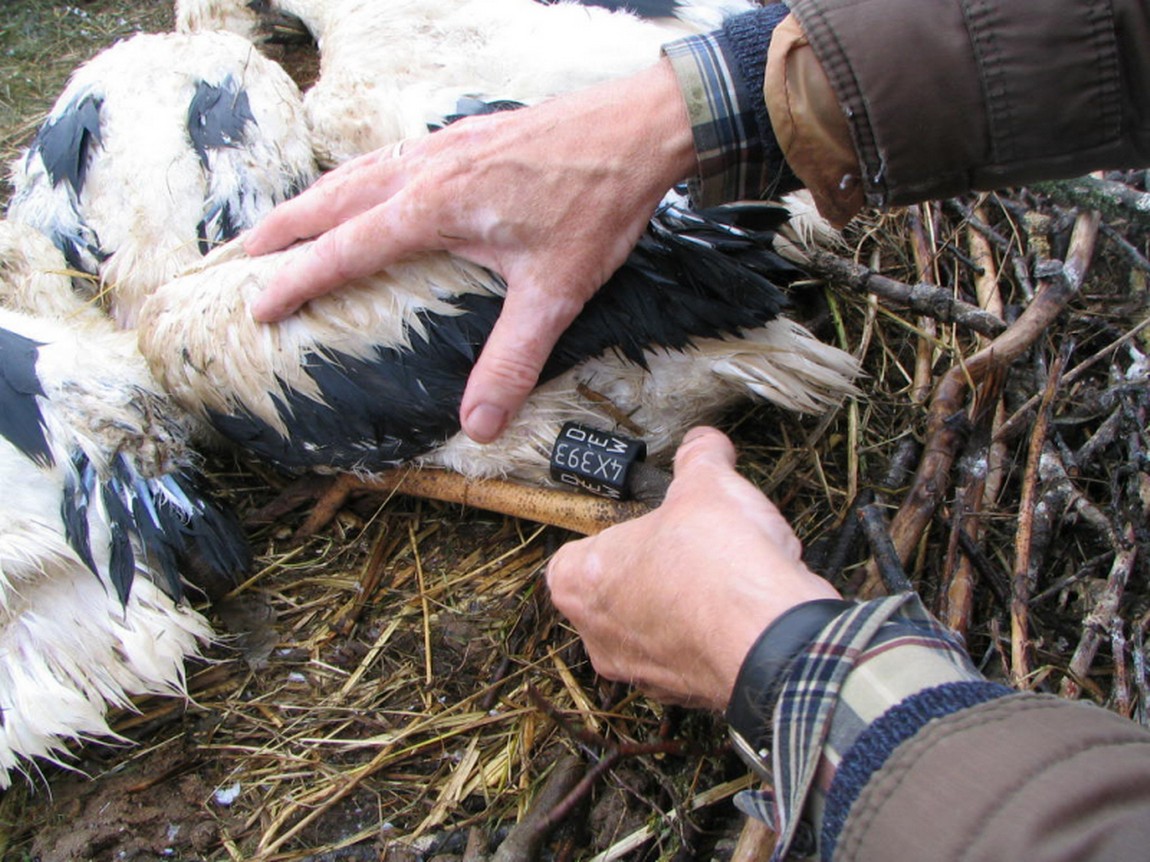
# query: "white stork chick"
[[101, 513], [390, 70], [371, 376], [243, 17], [159, 148]]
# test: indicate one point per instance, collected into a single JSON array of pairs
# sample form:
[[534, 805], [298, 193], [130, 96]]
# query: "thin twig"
[[1020, 581], [889, 566], [525, 840], [924, 263], [1136, 258], [1102, 616]]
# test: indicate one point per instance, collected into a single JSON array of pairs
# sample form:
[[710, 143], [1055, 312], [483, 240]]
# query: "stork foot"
[[327, 494]]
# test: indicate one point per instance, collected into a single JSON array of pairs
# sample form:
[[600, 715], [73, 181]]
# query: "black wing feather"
[[218, 116], [78, 484], [64, 143], [159, 543], [122, 562], [211, 536], [21, 422]]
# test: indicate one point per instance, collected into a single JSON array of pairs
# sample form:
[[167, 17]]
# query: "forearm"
[[888, 744]]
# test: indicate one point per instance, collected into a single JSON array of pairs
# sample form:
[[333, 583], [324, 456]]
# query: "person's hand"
[[672, 601], [552, 197]]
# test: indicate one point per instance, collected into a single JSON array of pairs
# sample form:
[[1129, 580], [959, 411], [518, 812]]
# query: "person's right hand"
[[552, 197], [672, 601]]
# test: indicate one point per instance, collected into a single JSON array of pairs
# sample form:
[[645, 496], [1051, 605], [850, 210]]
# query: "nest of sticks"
[[404, 690]]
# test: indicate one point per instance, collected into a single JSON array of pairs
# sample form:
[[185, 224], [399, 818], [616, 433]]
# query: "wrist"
[[764, 668], [670, 137]]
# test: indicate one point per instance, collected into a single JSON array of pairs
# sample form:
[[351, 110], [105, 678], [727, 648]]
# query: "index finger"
[[349, 190], [509, 365], [359, 247]]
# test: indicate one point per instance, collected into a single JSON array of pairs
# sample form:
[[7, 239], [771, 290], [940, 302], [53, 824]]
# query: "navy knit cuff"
[[872, 749], [745, 39]]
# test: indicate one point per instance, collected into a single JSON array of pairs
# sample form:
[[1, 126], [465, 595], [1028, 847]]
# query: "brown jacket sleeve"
[[1019, 778], [938, 97]]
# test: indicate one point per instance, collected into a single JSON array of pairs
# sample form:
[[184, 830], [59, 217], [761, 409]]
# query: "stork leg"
[[578, 512]]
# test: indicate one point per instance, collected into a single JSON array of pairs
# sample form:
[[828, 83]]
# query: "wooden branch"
[[990, 297], [525, 840], [924, 260], [1100, 620], [1049, 510], [1020, 581], [960, 568], [1120, 693], [890, 568], [931, 482], [580, 513], [927, 299], [1117, 201], [998, 582], [1138, 655], [1131, 252], [756, 842], [831, 556], [981, 474]]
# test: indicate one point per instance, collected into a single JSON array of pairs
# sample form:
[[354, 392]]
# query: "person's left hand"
[[551, 197]]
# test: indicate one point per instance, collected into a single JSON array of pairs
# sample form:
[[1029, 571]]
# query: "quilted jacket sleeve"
[[938, 97]]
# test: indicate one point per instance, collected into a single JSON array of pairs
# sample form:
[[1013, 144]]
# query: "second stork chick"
[[160, 148], [390, 70], [103, 516]]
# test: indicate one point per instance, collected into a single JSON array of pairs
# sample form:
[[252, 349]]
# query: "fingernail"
[[695, 433], [251, 244], [485, 422], [262, 310]]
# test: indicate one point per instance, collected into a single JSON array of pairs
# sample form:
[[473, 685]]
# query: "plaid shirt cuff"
[[728, 142], [870, 659]]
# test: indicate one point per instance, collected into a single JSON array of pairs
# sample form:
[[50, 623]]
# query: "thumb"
[[508, 367]]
